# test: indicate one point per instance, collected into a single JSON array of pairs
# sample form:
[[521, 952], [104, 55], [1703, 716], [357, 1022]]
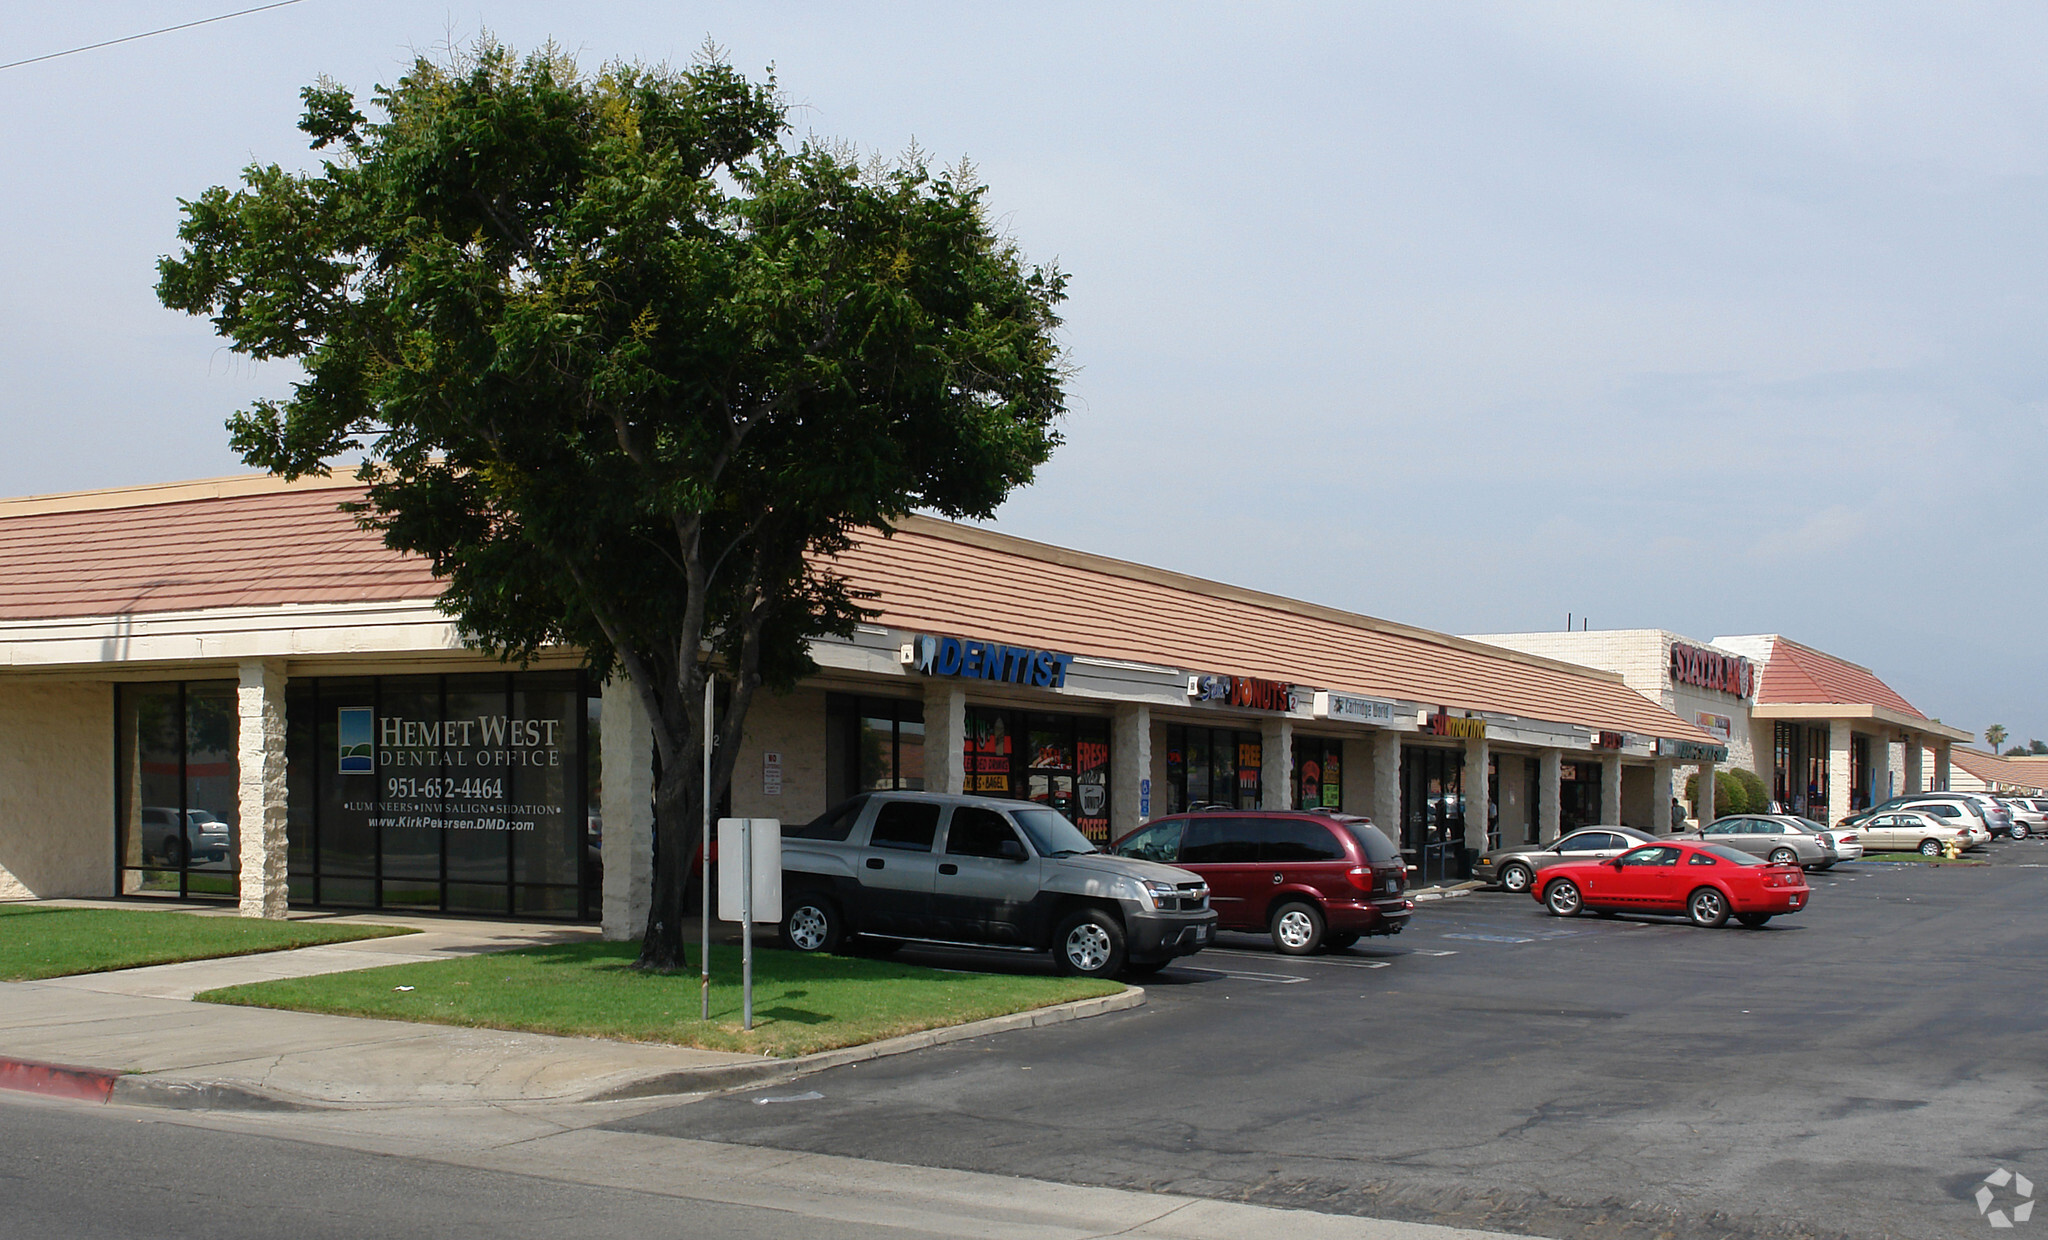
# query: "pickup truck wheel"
[[1089, 943], [812, 925], [1297, 928]]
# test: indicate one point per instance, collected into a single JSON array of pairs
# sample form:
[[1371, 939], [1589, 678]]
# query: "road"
[[1854, 1070]]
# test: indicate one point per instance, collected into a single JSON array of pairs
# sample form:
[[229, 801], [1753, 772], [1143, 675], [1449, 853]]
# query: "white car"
[[2029, 815], [1847, 844], [1911, 830], [1967, 815]]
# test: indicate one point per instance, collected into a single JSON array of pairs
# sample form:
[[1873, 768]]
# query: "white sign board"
[[767, 868], [771, 774]]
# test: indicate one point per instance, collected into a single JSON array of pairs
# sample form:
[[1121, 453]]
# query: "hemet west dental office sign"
[[1705, 669], [458, 773], [970, 659]]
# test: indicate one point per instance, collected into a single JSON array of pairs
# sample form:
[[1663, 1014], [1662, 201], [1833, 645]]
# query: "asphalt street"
[[1855, 1070]]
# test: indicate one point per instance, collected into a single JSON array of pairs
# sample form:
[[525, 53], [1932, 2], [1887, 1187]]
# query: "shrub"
[[1736, 791]]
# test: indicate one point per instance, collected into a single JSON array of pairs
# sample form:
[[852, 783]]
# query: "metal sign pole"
[[747, 923], [704, 860]]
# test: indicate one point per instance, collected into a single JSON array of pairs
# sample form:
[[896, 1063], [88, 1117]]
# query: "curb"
[[56, 1080], [105, 1085], [707, 1080]]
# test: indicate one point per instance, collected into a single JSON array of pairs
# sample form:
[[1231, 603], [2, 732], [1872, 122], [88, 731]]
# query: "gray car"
[[1781, 839], [889, 868], [1515, 869]]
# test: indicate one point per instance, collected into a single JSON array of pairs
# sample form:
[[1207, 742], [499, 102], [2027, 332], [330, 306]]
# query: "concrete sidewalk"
[[133, 1035]]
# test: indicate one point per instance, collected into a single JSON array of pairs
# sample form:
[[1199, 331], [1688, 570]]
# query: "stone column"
[[1610, 789], [1477, 802], [1916, 757], [1703, 803], [1549, 793], [1385, 810], [1276, 763], [1131, 795], [1941, 752], [1841, 770], [260, 795], [626, 798], [945, 738], [1660, 796]]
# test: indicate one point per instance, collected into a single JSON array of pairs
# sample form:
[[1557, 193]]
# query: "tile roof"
[[1997, 769], [939, 577], [1800, 674], [286, 545]]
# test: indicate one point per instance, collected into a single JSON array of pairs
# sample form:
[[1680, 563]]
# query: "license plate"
[[1796, 900]]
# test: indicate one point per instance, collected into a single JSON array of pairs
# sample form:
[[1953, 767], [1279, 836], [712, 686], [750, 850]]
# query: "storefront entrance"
[[1433, 812], [1578, 796], [1212, 766]]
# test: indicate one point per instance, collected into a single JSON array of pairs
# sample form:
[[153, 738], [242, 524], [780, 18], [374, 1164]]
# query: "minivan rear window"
[[1373, 841]]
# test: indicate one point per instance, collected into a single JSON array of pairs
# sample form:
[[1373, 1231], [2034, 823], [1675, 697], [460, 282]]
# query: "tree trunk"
[[678, 819]]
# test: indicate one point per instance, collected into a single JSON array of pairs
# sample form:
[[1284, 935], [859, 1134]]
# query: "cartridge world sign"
[[485, 772]]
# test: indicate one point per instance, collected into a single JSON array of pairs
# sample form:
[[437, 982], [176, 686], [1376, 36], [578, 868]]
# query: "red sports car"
[[1705, 882]]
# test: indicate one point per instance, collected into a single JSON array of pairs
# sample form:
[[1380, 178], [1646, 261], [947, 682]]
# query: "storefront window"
[[1318, 772], [873, 745], [178, 795], [1799, 773], [1057, 760], [1578, 795], [1212, 766], [462, 794]]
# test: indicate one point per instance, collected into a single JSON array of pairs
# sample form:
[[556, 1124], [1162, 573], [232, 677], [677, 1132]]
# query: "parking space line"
[[1278, 979], [1339, 961]]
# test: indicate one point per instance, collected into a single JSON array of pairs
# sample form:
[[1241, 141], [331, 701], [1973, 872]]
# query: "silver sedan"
[[1781, 839], [1516, 868]]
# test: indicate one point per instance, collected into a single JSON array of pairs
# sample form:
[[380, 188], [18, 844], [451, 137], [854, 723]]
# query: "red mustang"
[[1706, 882]]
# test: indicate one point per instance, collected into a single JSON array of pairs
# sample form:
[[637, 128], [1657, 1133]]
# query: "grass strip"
[[802, 1003], [37, 941]]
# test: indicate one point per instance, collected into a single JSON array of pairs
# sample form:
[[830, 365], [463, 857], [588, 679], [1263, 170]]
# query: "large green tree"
[[627, 365]]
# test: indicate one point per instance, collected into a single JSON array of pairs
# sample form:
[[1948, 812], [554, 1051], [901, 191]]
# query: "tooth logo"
[[2022, 1188]]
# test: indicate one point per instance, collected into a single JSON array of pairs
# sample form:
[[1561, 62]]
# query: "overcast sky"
[[1717, 318]]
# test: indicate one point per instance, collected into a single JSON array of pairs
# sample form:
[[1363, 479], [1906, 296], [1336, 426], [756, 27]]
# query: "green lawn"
[[37, 941], [801, 1003]]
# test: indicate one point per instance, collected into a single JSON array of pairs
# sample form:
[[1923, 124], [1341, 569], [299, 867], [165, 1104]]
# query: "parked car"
[[1993, 816], [1308, 879], [1911, 830], [1515, 869], [1784, 839], [1703, 880], [1967, 815], [886, 868], [2029, 815], [202, 836]]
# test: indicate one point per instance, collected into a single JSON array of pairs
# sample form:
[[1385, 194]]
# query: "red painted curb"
[[56, 1080]]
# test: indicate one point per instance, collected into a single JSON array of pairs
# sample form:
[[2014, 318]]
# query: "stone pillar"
[[1131, 794], [1385, 810], [1660, 796], [260, 795], [1276, 764], [626, 798], [945, 738], [1841, 770], [1356, 787], [1941, 752], [1916, 757], [1703, 802], [1549, 793], [1477, 801], [1610, 789]]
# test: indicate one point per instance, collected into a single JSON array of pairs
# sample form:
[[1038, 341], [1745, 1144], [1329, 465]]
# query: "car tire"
[[1562, 898], [2020, 830], [1089, 943], [1707, 907], [1784, 856], [174, 853], [1338, 942], [1753, 920], [1930, 848], [1297, 928], [1516, 878], [812, 925]]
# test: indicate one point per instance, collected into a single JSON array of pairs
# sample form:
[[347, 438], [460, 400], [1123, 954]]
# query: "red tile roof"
[[283, 546], [1998, 769], [1800, 674]]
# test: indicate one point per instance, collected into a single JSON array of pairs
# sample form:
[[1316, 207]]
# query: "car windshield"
[[1736, 855], [1051, 834]]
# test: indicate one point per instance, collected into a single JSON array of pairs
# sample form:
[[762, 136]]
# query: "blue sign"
[[354, 725], [976, 660], [1144, 799]]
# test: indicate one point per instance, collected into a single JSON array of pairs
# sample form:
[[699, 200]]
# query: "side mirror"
[[1010, 850], [1616, 863]]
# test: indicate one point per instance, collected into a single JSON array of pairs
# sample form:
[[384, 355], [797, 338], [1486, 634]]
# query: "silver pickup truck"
[[897, 867]]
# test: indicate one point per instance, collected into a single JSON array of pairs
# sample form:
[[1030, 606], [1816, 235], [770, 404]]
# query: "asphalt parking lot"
[[1854, 1070]]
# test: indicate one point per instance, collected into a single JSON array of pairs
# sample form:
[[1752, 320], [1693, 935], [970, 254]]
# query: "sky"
[[1718, 318]]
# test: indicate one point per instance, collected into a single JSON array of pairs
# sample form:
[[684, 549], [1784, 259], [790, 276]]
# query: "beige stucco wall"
[[56, 789], [793, 725]]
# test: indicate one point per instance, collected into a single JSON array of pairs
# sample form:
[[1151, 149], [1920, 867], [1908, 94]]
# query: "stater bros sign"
[[1707, 669]]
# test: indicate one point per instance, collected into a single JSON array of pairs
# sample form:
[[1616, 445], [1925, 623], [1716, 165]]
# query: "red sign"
[[1728, 673]]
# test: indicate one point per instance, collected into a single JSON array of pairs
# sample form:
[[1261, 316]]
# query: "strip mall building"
[[225, 689]]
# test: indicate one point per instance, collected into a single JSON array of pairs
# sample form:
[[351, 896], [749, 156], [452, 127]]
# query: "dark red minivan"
[[1308, 879]]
